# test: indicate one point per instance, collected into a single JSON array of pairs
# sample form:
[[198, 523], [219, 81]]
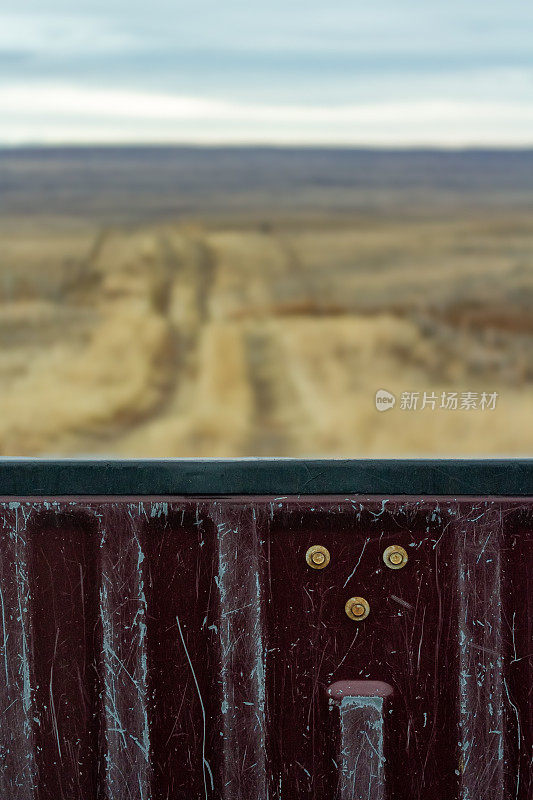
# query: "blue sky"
[[398, 72]]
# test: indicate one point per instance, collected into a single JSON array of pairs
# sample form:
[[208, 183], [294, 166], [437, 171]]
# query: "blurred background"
[[224, 227]]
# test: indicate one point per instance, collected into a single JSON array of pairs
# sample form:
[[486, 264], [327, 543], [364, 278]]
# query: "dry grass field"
[[244, 326]]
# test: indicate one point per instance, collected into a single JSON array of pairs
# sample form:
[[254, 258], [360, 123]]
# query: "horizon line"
[[428, 147]]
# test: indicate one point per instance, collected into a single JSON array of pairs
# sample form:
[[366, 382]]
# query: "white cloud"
[[61, 35], [73, 114]]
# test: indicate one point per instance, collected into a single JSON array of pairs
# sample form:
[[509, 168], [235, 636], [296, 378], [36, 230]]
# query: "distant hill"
[[116, 184]]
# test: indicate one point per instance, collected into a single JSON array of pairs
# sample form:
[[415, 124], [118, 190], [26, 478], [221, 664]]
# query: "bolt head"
[[317, 556], [357, 608], [395, 556]]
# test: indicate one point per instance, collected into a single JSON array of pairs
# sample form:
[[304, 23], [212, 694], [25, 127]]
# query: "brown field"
[[257, 328]]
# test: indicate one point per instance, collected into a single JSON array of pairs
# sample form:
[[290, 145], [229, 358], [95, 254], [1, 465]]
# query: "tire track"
[[271, 431]]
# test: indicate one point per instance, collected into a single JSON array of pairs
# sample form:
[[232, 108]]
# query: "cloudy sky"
[[393, 72]]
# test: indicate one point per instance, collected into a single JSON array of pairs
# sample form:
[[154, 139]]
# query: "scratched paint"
[[124, 659], [18, 778], [242, 654], [361, 751], [482, 720], [183, 649]]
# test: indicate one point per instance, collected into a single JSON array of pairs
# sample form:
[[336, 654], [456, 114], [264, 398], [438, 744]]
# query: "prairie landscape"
[[234, 302]]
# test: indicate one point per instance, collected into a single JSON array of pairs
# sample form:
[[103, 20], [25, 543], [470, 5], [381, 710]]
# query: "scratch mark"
[[204, 761], [358, 562], [5, 635], [403, 603], [52, 704]]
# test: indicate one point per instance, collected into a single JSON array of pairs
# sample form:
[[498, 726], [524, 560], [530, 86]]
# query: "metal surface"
[[21, 477], [182, 648]]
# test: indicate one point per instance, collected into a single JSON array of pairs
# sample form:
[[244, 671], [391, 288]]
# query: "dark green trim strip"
[[36, 477]]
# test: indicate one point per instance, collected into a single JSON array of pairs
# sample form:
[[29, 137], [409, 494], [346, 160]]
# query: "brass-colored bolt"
[[395, 556], [357, 608], [317, 556]]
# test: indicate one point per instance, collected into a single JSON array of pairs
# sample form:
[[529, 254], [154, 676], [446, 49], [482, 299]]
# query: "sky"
[[391, 73]]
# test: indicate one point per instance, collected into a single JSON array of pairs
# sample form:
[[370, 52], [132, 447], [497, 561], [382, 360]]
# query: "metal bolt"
[[357, 608], [395, 557], [317, 556]]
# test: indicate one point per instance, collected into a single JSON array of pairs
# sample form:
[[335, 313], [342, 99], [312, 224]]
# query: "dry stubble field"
[[266, 330]]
